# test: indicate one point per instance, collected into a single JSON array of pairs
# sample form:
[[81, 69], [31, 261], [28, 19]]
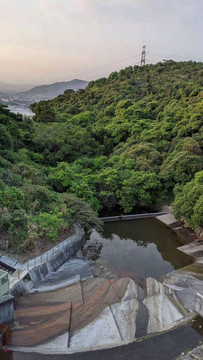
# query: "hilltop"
[[38, 93], [52, 90], [130, 142]]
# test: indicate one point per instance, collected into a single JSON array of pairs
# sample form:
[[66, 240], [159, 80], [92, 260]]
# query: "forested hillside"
[[125, 143]]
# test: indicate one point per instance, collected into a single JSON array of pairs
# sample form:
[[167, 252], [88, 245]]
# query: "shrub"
[[49, 225], [12, 198]]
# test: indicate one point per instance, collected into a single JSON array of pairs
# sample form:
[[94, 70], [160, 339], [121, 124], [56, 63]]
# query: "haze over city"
[[43, 41]]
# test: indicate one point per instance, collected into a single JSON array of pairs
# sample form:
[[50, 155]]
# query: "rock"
[[92, 249]]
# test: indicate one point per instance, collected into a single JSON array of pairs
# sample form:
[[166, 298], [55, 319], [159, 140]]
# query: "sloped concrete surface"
[[69, 273], [84, 313], [49, 284], [60, 342], [124, 314], [162, 312], [39, 323], [93, 312], [162, 308], [102, 330], [186, 285], [168, 345]]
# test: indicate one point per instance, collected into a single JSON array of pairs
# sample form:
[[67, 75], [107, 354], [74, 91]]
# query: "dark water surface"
[[141, 248]]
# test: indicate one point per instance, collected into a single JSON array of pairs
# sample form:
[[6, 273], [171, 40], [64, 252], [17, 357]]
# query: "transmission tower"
[[143, 55]]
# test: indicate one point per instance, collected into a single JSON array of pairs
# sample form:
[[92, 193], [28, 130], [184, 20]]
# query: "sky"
[[43, 41]]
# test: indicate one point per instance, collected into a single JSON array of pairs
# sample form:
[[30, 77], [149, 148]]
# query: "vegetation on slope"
[[125, 143], [29, 208]]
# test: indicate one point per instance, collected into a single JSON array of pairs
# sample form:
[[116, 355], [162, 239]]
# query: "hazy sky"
[[42, 41]]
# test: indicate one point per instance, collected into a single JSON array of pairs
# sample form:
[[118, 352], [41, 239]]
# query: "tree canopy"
[[123, 143]]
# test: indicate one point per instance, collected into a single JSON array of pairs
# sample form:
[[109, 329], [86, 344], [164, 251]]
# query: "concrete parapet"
[[131, 217]]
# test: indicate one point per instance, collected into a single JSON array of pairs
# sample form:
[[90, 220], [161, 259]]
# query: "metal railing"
[[50, 254], [4, 283]]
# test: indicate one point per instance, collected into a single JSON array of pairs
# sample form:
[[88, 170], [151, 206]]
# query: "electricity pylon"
[[143, 55]]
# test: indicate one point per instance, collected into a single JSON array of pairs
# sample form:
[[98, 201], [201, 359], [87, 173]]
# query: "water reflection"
[[140, 248], [21, 110]]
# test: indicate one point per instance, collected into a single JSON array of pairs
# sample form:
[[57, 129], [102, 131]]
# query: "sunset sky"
[[42, 41]]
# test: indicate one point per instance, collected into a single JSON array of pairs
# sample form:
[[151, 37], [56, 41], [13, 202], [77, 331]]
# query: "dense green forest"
[[126, 143]]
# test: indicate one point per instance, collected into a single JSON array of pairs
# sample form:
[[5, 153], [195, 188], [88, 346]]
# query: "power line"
[[100, 74], [141, 62], [170, 55], [104, 66]]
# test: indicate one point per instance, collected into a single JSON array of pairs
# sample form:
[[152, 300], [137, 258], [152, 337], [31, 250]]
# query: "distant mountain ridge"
[[55, 89], [22, 99]]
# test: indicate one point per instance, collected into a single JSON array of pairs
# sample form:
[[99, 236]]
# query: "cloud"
[[58, 38]]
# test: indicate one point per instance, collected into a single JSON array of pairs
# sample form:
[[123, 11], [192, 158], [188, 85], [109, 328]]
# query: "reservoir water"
[[21, 110], [140, 248]]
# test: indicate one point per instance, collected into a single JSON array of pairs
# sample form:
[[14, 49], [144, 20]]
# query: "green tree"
[[141, 189], [189, 201]]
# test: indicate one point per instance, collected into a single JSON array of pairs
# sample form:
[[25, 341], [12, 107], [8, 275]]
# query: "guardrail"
[[53, 252], [4, 283]]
